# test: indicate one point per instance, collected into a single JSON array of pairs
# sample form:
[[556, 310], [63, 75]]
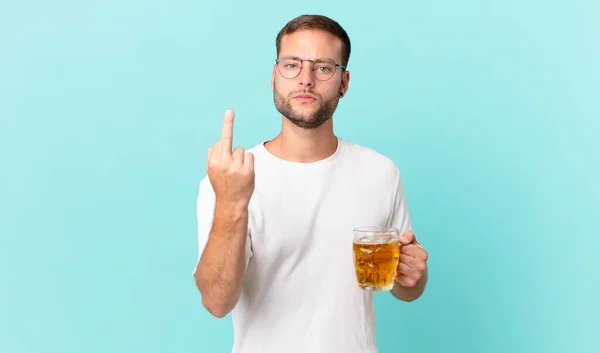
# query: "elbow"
[[214, 307], [216, 310], [214, 303]]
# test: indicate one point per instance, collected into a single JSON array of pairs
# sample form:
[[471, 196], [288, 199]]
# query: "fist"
[[413, 260], [231, 173]]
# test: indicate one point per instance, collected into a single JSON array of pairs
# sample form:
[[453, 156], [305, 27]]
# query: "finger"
[[227, 131], [407, 237], [406, 281], [413, 250], [409, 271], [408, 251], [407, 259], [417, 264], [218, 155], [209, 156], [249, 162], [238, 155]]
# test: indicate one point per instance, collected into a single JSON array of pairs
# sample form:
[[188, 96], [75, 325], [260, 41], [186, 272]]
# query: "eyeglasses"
[[323, 68]]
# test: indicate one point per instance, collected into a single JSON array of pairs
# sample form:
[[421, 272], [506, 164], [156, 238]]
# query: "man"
[[276, 222]]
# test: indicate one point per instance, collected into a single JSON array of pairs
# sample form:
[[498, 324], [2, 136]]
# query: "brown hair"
[[317, 22]]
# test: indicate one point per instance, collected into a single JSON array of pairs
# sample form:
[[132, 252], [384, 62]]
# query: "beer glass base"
[[377, 288]]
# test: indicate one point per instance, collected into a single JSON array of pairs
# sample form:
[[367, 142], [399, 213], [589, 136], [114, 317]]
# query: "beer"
[[376, 257]]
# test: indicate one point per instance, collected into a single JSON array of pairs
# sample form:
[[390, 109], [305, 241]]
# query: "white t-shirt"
[[300, 292]]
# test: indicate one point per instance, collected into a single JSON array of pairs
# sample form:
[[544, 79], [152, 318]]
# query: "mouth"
[[305, 97]]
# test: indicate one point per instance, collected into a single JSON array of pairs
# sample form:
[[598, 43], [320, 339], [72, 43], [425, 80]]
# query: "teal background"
[[490, 108]]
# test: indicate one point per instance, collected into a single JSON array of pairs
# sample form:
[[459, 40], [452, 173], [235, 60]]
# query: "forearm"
[[409, 294], [220, 271]]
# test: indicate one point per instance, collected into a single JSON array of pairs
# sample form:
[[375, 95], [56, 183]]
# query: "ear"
[[345, 82]]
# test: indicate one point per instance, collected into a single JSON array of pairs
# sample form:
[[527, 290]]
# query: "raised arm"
[[221, 267]]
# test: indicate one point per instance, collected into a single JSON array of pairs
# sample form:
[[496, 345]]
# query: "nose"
[[306, 75]]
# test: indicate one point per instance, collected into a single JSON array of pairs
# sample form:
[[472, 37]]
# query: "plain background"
[[490, 108]]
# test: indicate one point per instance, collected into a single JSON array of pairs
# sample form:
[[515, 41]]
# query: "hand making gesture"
[[231, 173]]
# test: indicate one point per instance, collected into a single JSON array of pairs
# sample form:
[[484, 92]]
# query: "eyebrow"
[[299, 58], [290, 57]]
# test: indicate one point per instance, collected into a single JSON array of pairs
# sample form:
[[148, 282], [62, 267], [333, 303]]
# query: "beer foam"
[[379, 239], [366, 241]]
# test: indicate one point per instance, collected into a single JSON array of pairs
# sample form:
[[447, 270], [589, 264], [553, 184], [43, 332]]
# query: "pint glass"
[[376, 256]]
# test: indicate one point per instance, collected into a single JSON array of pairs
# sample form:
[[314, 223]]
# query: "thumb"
[[407, 237]]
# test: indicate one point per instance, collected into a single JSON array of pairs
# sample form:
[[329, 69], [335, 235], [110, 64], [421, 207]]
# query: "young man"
[[276, 222]]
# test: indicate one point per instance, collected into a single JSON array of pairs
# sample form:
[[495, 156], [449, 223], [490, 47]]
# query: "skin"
[[307, 133], [220, 271], [412, 270], [295, 142], [306, 136]]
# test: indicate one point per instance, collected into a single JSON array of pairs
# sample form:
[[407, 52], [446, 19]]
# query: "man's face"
[[304, 100]]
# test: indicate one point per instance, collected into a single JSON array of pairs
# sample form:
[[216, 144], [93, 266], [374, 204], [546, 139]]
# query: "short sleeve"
[[399, 217], [205, 208]]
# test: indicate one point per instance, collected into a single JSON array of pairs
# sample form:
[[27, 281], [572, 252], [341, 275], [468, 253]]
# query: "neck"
[[296, 144]]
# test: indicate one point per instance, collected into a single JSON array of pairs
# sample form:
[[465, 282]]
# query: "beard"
[[305, 120]]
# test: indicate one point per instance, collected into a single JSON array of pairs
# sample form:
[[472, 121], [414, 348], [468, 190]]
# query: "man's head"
[[308, 97]]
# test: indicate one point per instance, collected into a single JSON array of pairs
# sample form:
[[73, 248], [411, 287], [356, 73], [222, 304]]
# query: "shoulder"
[[258, 151], [257, 147], [369, 158], [371, 167]]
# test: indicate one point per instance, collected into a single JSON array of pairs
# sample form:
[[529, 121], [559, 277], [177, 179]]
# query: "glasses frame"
[[278, 60]]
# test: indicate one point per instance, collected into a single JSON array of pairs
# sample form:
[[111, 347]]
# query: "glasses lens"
[[324, 69], [289, 68]]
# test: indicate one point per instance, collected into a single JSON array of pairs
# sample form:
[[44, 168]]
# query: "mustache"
[[304, 91]]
